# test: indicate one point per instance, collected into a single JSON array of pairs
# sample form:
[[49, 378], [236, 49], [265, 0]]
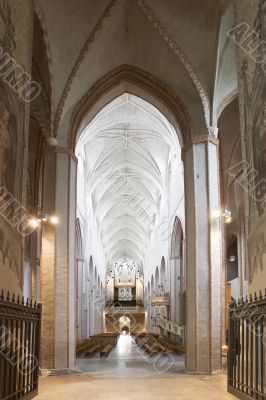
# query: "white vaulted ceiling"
[[125, 152]]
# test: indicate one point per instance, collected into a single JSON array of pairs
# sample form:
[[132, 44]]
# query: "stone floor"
[[129, 374]]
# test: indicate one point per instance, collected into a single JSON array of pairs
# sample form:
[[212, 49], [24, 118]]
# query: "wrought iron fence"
[[19, 348], [247, 348]]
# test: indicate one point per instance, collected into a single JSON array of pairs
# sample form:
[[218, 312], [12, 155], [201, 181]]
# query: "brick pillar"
[[203, 257], [58, 262]]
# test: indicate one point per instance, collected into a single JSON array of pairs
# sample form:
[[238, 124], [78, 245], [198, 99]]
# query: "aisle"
[[127, 359], [129, 374]]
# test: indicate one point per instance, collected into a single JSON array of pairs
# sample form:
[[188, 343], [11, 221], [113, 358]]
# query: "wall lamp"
[[226, 213], [35, 222]]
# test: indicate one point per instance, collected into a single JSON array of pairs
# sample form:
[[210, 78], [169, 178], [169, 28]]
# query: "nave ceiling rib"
[[126, 151]]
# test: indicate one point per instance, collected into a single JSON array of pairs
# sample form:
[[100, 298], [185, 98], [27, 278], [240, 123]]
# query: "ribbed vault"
[[124, 154]]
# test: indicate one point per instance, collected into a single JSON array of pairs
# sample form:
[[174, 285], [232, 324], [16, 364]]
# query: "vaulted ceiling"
[[124, 154], [176, 40]]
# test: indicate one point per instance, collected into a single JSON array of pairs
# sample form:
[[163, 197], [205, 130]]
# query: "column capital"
[[208, 138], [63, 150]]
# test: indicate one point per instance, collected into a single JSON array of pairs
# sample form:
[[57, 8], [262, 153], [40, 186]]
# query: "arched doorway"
[[124, 325], [130, 80]]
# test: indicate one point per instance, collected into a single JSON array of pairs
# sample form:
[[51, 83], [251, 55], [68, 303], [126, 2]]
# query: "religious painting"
[[11, 109], [254, 88], [8, 142], [258, 99], [10, 254], [12, 114]]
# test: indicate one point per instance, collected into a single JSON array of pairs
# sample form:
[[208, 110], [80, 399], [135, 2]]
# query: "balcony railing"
[[160, 299], [119, 310], [170, 327]]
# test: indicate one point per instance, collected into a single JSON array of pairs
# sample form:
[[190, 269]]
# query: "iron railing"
[[247, 348], [19, 348]]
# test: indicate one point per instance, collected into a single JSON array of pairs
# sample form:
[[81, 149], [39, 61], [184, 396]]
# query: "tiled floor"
[[130, 374]]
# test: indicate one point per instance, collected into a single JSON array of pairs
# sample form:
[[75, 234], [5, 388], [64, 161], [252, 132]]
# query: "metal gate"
[[247, 348], [19, 348]]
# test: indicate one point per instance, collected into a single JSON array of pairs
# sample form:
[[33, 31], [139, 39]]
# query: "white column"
[[80, 307], [172, 289], [91, 308], [203, 257]]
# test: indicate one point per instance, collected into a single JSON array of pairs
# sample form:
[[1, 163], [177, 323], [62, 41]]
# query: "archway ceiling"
[[127, 34], [125, 151]]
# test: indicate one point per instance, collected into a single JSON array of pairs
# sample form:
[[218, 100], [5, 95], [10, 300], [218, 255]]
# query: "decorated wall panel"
[[249, 35], [15, 97]]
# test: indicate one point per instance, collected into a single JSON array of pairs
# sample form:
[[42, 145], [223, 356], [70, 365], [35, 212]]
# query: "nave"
[[128, 360], [132, 199]]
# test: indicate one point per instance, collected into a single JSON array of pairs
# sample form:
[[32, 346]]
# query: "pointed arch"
[[79, 242], [91, 270], [177, 239], [127, 78], [156, 280], [152, 284], [163, 272]]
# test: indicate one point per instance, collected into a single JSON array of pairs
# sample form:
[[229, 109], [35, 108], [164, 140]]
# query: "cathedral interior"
[[132, 199]]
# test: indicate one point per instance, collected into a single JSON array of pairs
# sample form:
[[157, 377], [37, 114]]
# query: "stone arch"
[[177, 238], [136, 81], [226, 101], [95, 278], [178, 273], [124, 324], [91, 269], [79, 248], [142, 85], [152, 284]]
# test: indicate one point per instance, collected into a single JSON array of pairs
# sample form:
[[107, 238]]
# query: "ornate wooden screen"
[[19, 348], [247, 348]]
